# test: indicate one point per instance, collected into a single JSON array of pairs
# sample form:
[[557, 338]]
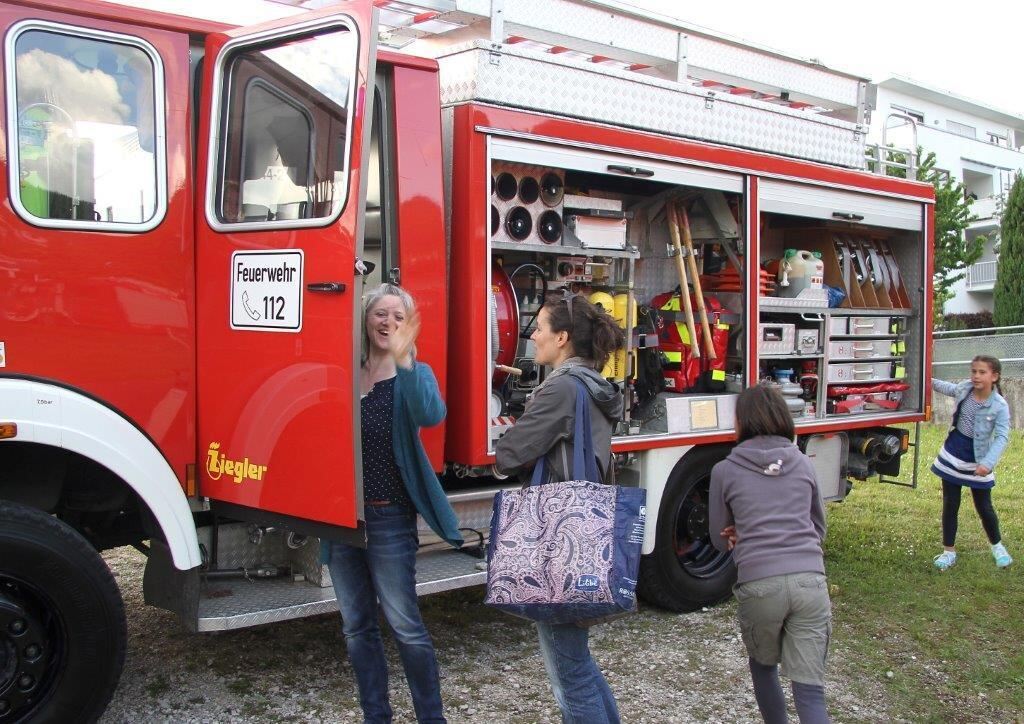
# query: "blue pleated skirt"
[[955, 463]]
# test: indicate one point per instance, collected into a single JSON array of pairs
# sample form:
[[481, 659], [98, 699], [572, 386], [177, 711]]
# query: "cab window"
[[87, 127], [285, 120]]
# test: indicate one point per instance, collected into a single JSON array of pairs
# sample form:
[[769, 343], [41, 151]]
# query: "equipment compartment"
[[872, 326], [628, 238]]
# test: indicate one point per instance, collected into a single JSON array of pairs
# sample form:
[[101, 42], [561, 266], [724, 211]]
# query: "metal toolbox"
[[700, 413], [860, 371], [596, 232], [806, 341], [861, 326], [775, 338], [827, 454], [861, 349]]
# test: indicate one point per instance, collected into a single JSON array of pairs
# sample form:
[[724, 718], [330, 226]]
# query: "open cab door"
[[281, 169]]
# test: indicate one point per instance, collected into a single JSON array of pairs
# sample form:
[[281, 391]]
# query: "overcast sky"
[[971, 49]]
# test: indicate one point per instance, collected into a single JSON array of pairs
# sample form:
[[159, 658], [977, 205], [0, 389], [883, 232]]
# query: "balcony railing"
[[987, 207], [982, 275]]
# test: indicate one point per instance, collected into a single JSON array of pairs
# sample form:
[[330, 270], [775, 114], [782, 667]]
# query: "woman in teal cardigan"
[[399, 396]]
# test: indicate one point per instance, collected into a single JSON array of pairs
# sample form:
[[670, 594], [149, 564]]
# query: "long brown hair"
[[593, 333], [761, 410]]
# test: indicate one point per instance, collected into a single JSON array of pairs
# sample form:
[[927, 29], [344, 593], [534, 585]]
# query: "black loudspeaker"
[[518, 223], [506, 186], [528, 203], [529, 190], [552, 189], [549, 227]]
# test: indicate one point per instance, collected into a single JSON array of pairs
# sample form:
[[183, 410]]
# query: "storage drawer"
[[860, 371], [866, 326], [807, 341], [596, 232], [776, 338], [861, 348]]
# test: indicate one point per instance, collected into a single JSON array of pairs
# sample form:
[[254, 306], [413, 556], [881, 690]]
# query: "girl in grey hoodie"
[[766, 503]]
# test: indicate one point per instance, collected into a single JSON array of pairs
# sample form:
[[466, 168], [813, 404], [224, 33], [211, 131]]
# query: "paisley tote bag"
[[566, 552]]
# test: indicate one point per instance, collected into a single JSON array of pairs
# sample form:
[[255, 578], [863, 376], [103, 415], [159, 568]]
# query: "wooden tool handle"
[[709, 344], [514, 371], [684, 288]]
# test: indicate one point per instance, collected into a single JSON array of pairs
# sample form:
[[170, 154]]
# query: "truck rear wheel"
[[62, 621], [686, 572]]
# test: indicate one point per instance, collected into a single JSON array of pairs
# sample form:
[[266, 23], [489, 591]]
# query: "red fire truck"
[[192, 211]]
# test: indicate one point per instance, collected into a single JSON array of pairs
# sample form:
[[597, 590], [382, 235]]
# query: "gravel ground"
[[662, 667]]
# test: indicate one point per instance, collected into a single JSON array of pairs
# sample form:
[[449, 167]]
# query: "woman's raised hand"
[[404, 338]]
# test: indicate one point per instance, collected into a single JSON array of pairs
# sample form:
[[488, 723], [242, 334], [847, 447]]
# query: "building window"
[[286, 120], [918, 116], [996, 139], [87, 128], [961, 129]]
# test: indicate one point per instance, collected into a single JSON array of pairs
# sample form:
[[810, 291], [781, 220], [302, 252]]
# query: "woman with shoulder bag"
[[575, 338]]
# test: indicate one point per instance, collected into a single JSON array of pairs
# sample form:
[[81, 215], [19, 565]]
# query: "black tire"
[[62, 624], [685, 572]]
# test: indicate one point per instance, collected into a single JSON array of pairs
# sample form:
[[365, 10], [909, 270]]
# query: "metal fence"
[[955, 349]]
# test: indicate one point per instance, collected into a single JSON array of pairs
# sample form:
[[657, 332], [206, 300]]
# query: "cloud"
[[86, 95], [324, 62]]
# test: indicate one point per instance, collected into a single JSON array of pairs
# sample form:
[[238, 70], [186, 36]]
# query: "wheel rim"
[[692, 542], [32, 642]]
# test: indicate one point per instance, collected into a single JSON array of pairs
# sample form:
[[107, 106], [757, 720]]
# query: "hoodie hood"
[[768, 455], [605, 394]]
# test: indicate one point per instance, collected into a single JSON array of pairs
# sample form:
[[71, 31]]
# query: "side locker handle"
[[326, 287], [631, 170]]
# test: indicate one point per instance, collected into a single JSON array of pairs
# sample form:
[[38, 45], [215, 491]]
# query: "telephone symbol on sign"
[[253, 314]]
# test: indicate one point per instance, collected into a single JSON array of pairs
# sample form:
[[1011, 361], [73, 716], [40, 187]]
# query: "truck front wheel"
[[685, 572], [62, 621]]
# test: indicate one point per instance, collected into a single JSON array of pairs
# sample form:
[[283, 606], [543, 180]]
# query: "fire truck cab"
[[193, 210]]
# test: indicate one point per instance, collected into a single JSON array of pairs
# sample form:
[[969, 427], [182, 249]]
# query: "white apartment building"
[[977, 144]]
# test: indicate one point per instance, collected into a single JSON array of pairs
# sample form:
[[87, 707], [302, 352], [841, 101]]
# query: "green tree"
[[954, 253], [1009, 302]]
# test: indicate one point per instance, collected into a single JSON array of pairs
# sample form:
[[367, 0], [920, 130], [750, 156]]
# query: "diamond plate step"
[[231, 604]]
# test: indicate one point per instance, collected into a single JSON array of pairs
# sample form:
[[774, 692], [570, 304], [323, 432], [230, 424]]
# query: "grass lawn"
[[949, 646]]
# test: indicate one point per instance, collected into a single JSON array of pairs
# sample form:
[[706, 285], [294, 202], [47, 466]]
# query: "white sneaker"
[[1003, 558], [945, 560]]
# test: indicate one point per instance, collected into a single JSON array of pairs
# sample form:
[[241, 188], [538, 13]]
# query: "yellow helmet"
[[604, 299]]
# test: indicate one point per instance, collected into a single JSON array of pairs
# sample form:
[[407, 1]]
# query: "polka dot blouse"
[[382, 479]]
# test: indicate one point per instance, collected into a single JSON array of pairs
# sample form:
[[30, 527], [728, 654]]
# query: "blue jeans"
[[582, 694], [385, 571]]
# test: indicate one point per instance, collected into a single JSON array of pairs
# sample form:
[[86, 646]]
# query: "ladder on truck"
[[615, 35], [889, 160], [706, 81]]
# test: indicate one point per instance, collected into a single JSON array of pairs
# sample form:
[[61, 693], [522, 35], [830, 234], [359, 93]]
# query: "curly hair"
[[593, 333]]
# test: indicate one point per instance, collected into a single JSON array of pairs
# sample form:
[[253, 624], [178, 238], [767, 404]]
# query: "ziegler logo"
[[238, 470]]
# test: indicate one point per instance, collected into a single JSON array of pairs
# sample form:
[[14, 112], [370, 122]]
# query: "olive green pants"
[[787, 619]]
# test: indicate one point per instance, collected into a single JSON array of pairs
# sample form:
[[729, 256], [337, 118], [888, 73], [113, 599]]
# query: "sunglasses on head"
[[567, 297]]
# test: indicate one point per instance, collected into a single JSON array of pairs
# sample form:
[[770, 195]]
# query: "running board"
[[240, 603]]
